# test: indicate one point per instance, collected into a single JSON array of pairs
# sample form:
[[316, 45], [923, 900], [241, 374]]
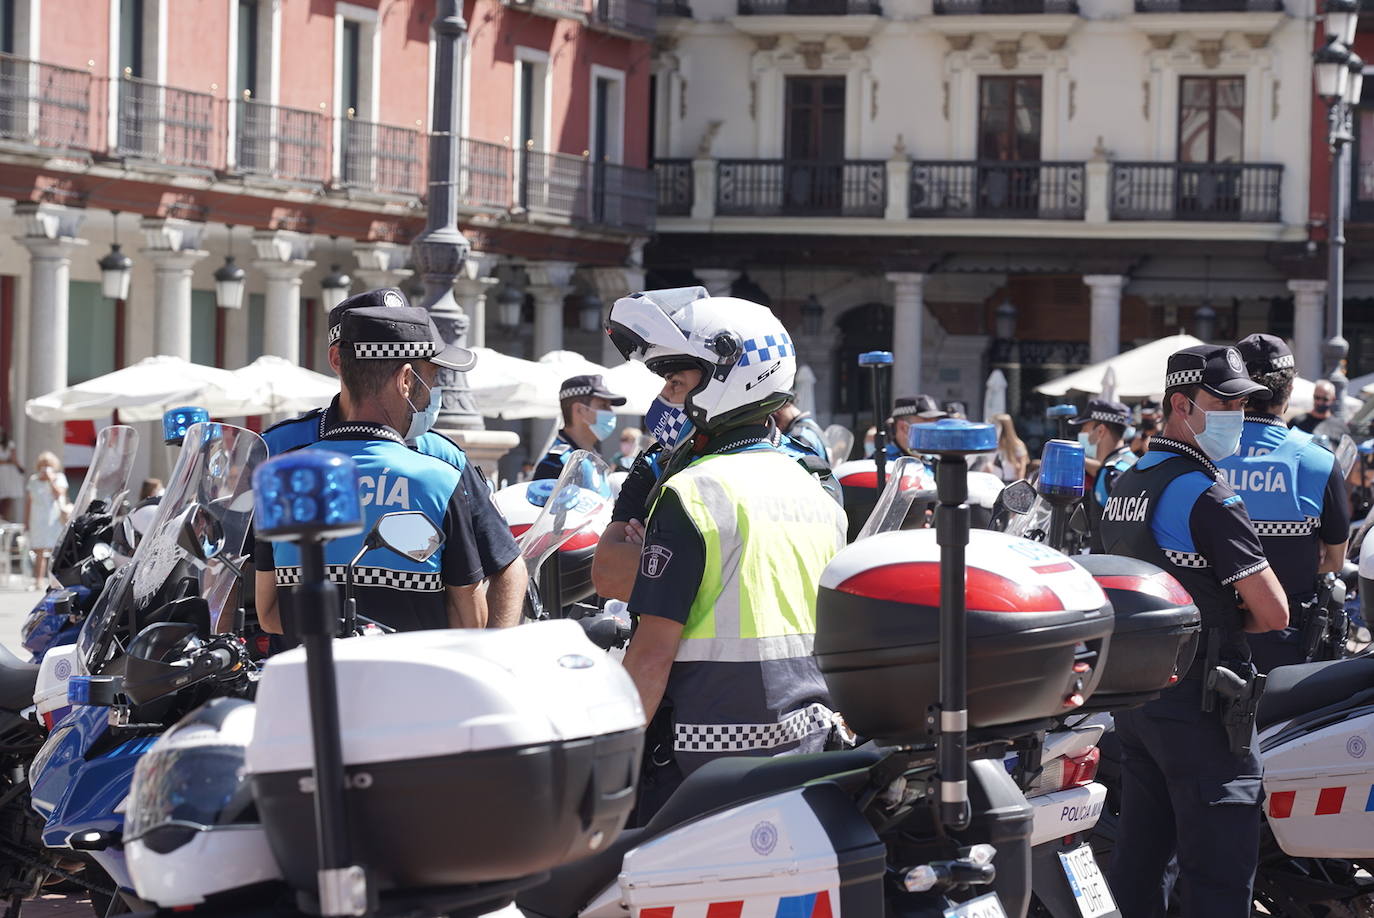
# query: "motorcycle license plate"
[[988, 906], [1089, 886]]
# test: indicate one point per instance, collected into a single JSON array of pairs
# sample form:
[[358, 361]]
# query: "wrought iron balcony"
[[1241, 192], [1208, 6], [44, 106], [573, 188], [1009, 190], [635, 18], [622, 196], [284, 143], [675, 192], [383, 158], [484, 175], [680, 8], [1005, 7], [795, 188], [165, 125], [810, 8]]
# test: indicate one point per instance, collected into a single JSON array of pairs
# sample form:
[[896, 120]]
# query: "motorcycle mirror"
[[200, 534], [410, 533], [1347, 453], [1079, 521], [1019, 497]]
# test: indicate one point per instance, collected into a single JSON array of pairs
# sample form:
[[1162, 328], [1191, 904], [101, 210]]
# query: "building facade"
[[1028, 185], [292, 135]]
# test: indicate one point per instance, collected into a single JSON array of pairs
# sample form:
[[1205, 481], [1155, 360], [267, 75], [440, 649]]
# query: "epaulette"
[[447, 439], [559, 449], [311, 415]]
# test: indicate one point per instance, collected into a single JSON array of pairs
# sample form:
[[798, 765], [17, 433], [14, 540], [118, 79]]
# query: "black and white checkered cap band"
[[1186, 558], [414, 581], [1108, 417], [394, 350], [793, 728], [1183, 378], [1301, 527], [1283, 363], [574, 392]]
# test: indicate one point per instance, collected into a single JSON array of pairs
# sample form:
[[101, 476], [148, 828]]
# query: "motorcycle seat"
[[1295, 690], [18, 678], [715, 786]]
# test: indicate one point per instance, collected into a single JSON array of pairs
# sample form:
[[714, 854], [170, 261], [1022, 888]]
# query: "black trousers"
[[1184, 791]]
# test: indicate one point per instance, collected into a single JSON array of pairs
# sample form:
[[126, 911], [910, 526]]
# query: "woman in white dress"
[[11, 478], [45, 512]]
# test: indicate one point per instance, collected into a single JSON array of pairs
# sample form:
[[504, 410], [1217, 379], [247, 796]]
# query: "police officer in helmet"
[[585, 404], [1191, 773], [1101, 428], [737, 535], [1294, 492]]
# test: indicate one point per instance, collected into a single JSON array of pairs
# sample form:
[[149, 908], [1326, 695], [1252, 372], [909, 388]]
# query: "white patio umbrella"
[[1139, 372], [1109, 384], [281, 387], [637, 383], [509, 387], [142, 392], [994, 395]]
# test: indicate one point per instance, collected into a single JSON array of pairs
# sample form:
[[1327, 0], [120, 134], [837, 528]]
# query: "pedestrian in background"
[[11, 477], [1011, 461], [45, 511], [152, 487], [629, 448]]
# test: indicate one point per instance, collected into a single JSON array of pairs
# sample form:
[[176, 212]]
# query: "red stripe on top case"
[[662, 911], [1329, 800], [1053, 568], [822, 907], [725, 909], [1281, 804]]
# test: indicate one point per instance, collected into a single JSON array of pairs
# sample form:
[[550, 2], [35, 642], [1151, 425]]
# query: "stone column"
[[612, 284], [550, 283], [174, 248], [717, 281], [908, 317], [1309, 301], [382, 264], [282, 258], [50, 236], [471, 290], [1104, 338]]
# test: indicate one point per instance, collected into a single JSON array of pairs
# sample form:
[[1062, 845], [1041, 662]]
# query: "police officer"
[[736, 538], [908, 411], [1190, 775], [390, 360], [801, 428], [1101, 429], [585, 404], [1294, 492], [502, 565]]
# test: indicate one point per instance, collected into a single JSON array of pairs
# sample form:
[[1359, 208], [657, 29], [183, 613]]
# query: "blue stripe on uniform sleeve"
[[1172, 520]]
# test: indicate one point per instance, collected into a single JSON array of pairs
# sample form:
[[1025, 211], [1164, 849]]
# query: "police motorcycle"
[[168, 604], [85, 555]]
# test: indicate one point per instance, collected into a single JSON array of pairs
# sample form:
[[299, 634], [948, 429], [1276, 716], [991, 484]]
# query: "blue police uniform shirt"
[[805, 433], [491, 532], [551, 466], [1119, 461], [396, 590], [1295, 494], [1199, 522]]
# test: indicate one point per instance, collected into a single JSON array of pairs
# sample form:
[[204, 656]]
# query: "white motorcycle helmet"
[[747, 359], [191, 805]]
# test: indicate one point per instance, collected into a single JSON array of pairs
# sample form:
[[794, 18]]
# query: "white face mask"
[[1221, 430]]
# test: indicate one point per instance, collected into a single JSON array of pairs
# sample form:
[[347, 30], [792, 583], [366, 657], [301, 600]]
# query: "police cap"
[[922, 406], [1106, 411], [592, 385], [1216, 368], [382, 296], [400, 333], [1265, 354]]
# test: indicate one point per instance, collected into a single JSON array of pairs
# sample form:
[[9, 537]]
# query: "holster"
[[1313, 622], [1234, 687], [658, 741]]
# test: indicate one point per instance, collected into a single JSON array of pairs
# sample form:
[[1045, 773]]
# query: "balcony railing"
[[679, 8], [484, 174], [283, 143], [42, 105], [1004, 7], [810, 8], [383, 158], [778, 187], [638, 18], [674, 180], [1208, 6], [165, 124], [1014, 190], [554, 184], [622, 196], [1240, 192]]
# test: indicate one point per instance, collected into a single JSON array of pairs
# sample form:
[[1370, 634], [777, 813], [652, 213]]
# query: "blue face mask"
[[604, 425], [667, 423], [1086, 442], [422, 419], [1221, 430]]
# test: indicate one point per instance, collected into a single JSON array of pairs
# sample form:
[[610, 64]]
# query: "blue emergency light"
[[1061, 469], [954, 436], [1061, 411], [310, 492], [540, 490], [875, 359], [176, 421]]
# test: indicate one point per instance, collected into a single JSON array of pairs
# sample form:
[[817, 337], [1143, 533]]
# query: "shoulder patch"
[[559, 449], [654, 561], [1233, 499]]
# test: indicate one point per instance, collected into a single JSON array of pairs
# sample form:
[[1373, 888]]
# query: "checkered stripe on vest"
[[415, 581], [793, 728], [1186, 558], [1302, 527]]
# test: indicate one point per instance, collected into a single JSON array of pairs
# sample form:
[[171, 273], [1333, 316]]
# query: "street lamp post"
[[1340, 80]]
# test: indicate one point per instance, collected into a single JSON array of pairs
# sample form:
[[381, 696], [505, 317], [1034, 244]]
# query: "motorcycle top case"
[[1156, 633], [1038, 632], [471, 756]]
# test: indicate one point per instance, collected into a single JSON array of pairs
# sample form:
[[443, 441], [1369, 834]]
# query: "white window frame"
[[370, 62], [154, 24], [617, 152], [269, 50], [540, 58]]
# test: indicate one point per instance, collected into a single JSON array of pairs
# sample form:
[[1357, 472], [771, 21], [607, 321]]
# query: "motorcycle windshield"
[[839, 442], [1034, 524], [581, 501], [909, 485], [215, 470], [107, 479]]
